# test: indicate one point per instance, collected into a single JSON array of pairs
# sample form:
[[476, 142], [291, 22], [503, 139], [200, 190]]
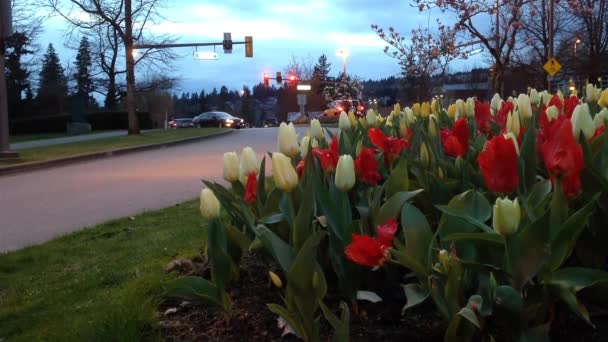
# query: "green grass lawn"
[[40, 136], [99, 284], [108, 144]]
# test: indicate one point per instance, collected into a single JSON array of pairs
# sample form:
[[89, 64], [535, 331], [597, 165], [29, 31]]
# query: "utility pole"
[[131, 108], [549, 77], [5, 31]]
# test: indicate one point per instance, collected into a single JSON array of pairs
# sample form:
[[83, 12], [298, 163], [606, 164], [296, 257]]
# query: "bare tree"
[[123, 21], [302, 68]]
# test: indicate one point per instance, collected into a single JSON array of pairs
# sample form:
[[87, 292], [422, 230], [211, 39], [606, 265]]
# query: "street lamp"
[[576, 42], [344, 54]]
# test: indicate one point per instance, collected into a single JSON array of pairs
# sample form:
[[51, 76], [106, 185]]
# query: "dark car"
[[218, 119], [339, 106], [271, 122], [181, 123]]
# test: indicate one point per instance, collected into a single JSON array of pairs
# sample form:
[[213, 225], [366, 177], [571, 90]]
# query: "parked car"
[[339, 106], [181, 123], [218, 119], [271, 122]]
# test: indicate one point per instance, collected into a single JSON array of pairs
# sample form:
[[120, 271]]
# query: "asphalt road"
[[40, 205]]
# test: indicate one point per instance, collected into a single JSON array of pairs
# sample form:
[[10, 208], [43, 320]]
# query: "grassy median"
[[99, 284], [108, 144]]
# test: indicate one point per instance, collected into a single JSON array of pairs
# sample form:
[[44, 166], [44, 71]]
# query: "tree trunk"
[[132, 115], [110, 102]]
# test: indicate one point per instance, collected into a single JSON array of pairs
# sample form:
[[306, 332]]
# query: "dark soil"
[[252, 321]]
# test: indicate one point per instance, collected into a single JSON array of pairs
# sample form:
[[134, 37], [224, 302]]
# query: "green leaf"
[[286, 206], [567, 235], [222, 266], [398, 181], [527, 252], [417, 232], [407, 261], [342, 325], [492, 239], [569, 298], [559, 209], [238, 243], [459, 330], [262, 182], [537, 334], [578, 278], [508, 298], [528, 157], [281, 251], [392, 207], [415, 295], [197, 290], [303, 222], [272, 219], [459, 213], [539, 191]]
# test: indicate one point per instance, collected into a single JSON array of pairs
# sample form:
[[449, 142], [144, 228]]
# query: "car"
[[181, 123], [218, 119], [271, 122], [339, 106]]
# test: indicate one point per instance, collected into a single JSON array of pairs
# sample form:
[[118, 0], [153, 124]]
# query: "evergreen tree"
[[17, 74], [83, 76], [320, 74], [53, 86]]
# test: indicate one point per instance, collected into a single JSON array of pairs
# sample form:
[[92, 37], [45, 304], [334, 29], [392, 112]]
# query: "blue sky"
[[280, 29]]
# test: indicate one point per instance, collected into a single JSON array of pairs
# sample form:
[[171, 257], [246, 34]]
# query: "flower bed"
[[491, 213]]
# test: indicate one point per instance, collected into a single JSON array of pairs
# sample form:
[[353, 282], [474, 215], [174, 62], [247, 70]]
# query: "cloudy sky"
[[280, 29]]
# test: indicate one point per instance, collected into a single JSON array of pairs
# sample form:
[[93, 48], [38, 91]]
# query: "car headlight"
[[229, 121]]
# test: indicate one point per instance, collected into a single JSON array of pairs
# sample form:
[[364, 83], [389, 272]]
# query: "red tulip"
[[300, 167], [498, 165], [557, 102], [571, 185], [251, 188], [569, 104], [502, 114], [367, 251], [367, 167], [391, 146], [562, 155], [456, 141], [328, 156], [599, 131], [483, 116]]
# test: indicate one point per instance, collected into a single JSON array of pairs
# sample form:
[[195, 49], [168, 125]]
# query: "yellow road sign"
[[552, 66]]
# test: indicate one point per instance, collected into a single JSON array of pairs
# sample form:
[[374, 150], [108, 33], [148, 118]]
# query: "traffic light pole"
[[165, 46]]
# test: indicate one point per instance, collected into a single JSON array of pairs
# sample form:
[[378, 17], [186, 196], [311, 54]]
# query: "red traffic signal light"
[[293, 80], [266, 79]]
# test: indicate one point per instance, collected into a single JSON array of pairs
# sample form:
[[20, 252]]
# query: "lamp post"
[[576, 42], [5, 31], [344, 54]]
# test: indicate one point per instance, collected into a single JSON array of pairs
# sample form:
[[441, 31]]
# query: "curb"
[[8, 170]]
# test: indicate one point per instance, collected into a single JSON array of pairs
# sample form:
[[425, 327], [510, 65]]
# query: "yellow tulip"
[[452, 111], [371, 118], [352, 118], [288, 141], [435, 107], [231, 167], [513, 138], [397, 109], [600, 118], [209, 205], [534, 97], [592, 94], [285, 176], [275, 279], [506, 216], [433, 126], [425, 109], [416, 109], [461, 108], [425, 155], [603, 100], [444, 259], [524, 106], [513, 123], [470, 107], [496, 103], [249, 164], [345, 173], [306, 140], [403, 129]]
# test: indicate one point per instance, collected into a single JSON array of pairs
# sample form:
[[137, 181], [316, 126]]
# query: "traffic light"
[[266, 79], [293, 80], [227, 43], [279, 77], [248, 46]]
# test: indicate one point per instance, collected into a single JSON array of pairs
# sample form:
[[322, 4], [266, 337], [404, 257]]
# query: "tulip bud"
[[582, 122], [440, 173], [546, 97], [352, 118], [425, 109], [425, 155], [496, 103], [345, 173], [231, 167], [403, 129], [316, 130], [444, 259], [389, 122], [506, 216], [285, 176], [510, 99], [452, 111], [410, 117], [560, 95], [416, 109], [209, 205], [513, 138], [344, 122], [288, 141], [470, 107], [461, 108], [524, 107], [603, 100], [397, 109], [359, 148], [552, 113], [433, 126], [534, 97], [306, 140], [249, 164], [592, 94], [435, 107], [601, 118], [371, 118], [513, 123], [275, 279]]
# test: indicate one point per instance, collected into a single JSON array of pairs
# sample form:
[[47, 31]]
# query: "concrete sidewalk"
[[66, 140]]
